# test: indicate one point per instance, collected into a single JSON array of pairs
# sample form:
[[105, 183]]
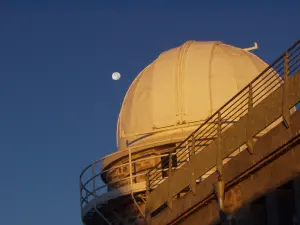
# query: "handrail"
[[269, 80], [90, 187]]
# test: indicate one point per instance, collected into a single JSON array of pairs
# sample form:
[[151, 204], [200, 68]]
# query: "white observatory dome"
[[180, 90]]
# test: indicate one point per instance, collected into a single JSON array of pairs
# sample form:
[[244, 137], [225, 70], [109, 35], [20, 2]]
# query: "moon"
[[116, 76]]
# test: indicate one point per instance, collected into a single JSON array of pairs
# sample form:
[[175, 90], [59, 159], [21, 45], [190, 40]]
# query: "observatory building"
[[166, 102]]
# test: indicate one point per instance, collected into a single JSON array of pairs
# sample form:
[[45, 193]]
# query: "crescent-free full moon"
[[116, 76]]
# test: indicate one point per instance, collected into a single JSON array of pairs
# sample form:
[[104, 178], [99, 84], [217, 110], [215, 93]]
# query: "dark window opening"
[[165, 164]]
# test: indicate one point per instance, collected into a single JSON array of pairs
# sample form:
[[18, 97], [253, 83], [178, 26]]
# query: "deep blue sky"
[[59, 105]]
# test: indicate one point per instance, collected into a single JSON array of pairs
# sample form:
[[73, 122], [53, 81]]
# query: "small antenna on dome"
[[251, 48]]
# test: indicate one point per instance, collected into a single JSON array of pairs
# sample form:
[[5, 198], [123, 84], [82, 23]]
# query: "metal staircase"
[[240, 129]]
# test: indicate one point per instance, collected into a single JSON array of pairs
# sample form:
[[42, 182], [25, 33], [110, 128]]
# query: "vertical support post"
[[285, 106], [94, 179], [147, 211], [170, 198], [249, 143], [131, 182], [192, 153], [219, 163], [219, 187], [81, 197]]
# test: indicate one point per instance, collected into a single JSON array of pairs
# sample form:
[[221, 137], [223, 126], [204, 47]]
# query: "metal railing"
[[237, 107], [92, 185]]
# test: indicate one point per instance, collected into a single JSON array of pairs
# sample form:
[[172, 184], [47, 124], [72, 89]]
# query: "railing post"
[[147, 212], [285, 106], [131, 181], [219, 163], [170, 198], [94, 180], [86, 196], [249, 143], [219, 186], [192, 153]]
